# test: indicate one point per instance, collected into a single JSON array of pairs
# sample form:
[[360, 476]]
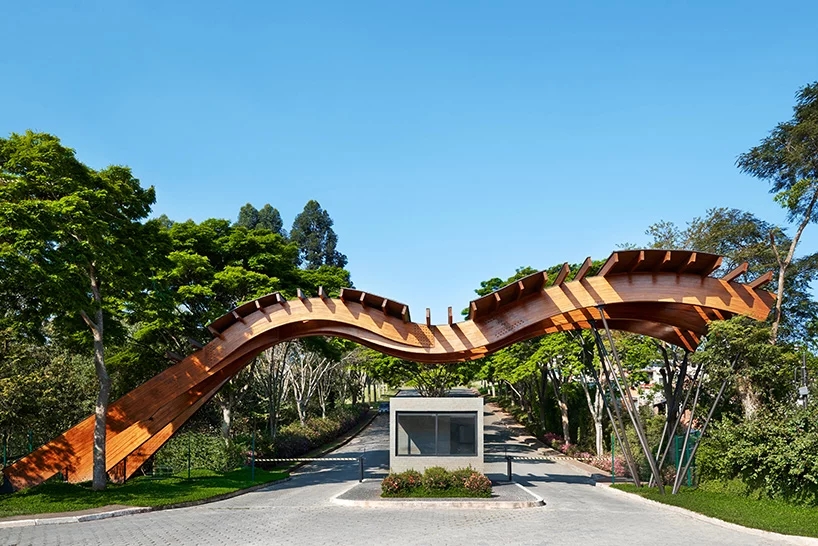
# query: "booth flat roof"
[[452, 393]]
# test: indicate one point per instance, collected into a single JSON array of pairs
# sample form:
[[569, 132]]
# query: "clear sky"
[[451, 142]]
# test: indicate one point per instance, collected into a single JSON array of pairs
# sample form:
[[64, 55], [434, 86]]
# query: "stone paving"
[[299, 511]]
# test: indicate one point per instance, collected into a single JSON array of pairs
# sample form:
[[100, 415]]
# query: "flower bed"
[[437, 482]]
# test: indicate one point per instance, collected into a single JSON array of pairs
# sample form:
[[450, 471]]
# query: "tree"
[[740, 236], [788, 159], [270, 218], [248, 216], [312, 231], [76, 238]]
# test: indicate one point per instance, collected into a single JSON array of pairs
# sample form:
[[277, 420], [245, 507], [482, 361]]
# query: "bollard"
[[360, 469], [508, 467]]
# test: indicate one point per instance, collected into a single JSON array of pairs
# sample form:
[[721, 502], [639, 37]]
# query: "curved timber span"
[[668, 295]]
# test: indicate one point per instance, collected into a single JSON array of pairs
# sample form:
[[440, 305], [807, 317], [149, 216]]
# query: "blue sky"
[[450, 142]]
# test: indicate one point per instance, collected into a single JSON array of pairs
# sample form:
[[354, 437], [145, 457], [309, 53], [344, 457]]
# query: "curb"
[[144, 509], [769, 535], [456, 504]]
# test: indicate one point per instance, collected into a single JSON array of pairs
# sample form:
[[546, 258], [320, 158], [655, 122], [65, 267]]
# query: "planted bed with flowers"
[[437, 482]]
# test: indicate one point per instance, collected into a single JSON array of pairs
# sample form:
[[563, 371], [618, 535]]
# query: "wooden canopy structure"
[[665, 294]]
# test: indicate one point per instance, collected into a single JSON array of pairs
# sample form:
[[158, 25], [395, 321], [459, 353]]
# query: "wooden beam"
[[661, 264], [238, 317], [472, 310], [731, 276], [761, 281], [639, 260], [428, 317], [321, 293], [497, 300], [404, 313], [690, 261], [215, 333], [280, 299], [362, 299], [384, 304], [583, 269], [258, 306], [564, 270], [450, 315], [198, 345], [300, 294], [520, 288], [612, 261], [342, 295], [708, 270]]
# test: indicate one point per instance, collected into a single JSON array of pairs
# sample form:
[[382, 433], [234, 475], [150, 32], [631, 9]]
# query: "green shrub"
[[437, 478], [412, 479], [775, 453], [392, 484], [207, 451], [296, 439], [460, 476], [479, 484]]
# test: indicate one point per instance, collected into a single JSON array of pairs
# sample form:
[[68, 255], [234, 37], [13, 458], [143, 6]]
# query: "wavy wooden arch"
[[668, 295]]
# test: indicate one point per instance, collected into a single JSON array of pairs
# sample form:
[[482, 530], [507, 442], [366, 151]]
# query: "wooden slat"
[[195, 344], [428, 317], [238, 317], [761, 281], [661, 264], [612, 261], [690, 261], [300, 294], [362, 299], [215, 333], [564, 270], [280, 299], [741, 269], [343, 294], [637, 261], [450, 316], [258, 305], [583, 269], [716, 264], [321, 293], [384, 306], [404, 313]]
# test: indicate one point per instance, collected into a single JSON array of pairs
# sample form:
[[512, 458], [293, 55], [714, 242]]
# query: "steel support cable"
[[632, 411], [622, 438], [679, 416], [678, 483]]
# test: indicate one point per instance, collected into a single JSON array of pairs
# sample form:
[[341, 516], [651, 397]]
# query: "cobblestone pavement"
[[299, 512]]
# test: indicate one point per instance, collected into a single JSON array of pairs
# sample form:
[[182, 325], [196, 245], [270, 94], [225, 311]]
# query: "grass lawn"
[[729, 503], [65, 497], [424, 493]]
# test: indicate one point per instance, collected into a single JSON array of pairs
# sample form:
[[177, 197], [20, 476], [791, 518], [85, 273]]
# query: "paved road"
[[300, 512]]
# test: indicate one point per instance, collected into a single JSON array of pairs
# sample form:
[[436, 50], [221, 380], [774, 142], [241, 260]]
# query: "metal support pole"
[[677, 481], [623, 439], [613, 460], [508, 467], [704, 427], [679, 417], [360, 469], [631, 407], [253, 457]]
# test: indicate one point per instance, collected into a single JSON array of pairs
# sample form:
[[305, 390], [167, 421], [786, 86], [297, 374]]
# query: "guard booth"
[[445, 431]]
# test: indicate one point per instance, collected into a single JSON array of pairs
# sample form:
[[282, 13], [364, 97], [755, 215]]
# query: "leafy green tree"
[[788, 159], [75, 237], [740, 237], [317, 241]]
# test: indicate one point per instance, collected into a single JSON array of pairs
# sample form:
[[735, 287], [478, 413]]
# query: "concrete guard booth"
[[426, 431]]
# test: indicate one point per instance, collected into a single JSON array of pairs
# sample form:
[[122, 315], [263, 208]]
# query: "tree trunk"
[[100, 474], [227, 418], [750, 399], [101, 410]]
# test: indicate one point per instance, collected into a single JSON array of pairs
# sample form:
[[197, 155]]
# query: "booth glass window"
[[436, 434]]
